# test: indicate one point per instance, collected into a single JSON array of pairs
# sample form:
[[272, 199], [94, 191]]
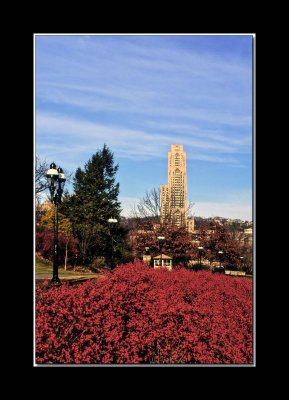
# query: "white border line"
[[145, 34], [253, 35], [34, 216]]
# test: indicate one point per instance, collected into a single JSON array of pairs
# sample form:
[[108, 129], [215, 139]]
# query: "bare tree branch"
[[149, 205], [41, 167]]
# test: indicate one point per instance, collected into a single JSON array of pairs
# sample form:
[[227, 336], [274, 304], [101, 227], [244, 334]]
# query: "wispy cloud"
[[130, 103], [105, 74], [131, 143]]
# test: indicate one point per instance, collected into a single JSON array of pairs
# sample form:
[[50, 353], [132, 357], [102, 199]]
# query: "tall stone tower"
[[174, 195]]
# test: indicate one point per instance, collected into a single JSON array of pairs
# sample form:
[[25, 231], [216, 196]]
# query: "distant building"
[[190, 224], [248, 231], [248, 236], [173, 196]]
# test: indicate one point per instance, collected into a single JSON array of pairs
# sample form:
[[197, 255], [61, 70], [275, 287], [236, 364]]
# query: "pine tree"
[[94, 201]]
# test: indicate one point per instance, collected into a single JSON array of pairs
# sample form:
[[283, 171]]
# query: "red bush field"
[[140, 315]]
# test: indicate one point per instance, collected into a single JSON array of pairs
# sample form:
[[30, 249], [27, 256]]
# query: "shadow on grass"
[[72, 281]]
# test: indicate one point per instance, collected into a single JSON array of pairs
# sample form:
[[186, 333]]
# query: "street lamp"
[[146, 256], [111, 222], [75, 261], [242, 262], [220, 252], [200, 248], [161, 240], [56, 181]]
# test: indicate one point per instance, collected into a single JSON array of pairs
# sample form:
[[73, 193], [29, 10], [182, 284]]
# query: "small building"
[[163, 261]]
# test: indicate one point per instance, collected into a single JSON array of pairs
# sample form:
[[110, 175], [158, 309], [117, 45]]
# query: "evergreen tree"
[[94, 201]]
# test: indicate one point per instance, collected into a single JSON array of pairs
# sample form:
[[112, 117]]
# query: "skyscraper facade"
[[173, 196]]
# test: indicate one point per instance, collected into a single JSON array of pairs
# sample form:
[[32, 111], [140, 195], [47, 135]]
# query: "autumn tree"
[[64, 228], [178, 242], [247, 254], [44, 246], [220, 239]]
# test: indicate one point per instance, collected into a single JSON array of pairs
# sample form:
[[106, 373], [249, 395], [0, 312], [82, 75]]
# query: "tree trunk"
[[65, 259]]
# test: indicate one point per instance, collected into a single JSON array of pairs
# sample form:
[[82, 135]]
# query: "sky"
[[141, 93]]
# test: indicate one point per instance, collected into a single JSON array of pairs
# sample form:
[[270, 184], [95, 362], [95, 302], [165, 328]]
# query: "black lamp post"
[[75, 261], [111, 222], [200, 248], [242, 262], [146, 256], [161, 240], [56, 181]]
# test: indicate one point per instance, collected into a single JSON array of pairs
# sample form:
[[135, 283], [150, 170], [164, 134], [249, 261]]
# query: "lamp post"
[[75, 262], [56, 181], [161, 240], [242, 262], [220, 252], [200, 248], [111, 222], [146, 256]]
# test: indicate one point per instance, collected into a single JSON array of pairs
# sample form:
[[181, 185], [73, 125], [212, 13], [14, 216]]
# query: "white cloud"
[[140, 104], [80, 136]]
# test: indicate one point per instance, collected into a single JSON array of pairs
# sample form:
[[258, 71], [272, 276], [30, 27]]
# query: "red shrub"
[[141, 315]]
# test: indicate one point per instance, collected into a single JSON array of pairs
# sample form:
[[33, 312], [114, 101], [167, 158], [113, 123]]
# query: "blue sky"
[[139, 95]]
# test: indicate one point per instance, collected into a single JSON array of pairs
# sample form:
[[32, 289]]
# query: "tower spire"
[[174, 194]]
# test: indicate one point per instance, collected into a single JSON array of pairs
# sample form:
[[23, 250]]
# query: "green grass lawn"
[[43, 270]]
